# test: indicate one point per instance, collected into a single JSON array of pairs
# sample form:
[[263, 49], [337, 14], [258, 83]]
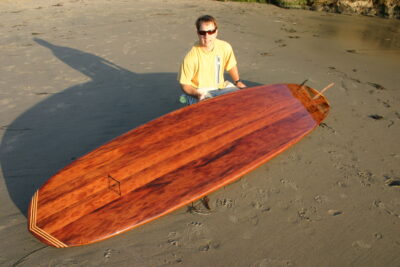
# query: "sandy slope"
[[75, 74]]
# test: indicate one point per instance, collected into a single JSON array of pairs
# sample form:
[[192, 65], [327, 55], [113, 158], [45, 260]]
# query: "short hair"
[[205, 19]]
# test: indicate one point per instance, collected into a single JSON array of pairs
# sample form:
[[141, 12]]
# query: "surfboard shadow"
[[68, 124]]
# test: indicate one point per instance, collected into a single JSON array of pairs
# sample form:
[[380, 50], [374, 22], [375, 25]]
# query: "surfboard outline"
[[311, 107]]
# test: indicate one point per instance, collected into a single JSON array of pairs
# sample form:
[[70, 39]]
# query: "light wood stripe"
[[40, 232]]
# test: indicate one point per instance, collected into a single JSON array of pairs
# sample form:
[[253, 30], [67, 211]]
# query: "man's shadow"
[[71, 123]]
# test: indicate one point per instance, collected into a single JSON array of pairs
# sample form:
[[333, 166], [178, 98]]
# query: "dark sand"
[[74, 74]]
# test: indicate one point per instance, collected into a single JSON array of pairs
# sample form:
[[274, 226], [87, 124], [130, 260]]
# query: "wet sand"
[[75, 74]]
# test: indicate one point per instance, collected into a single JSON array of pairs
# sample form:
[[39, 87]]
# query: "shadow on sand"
[[73, 122]]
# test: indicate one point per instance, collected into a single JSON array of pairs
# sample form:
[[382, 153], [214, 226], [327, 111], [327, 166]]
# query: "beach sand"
[[75, 74]]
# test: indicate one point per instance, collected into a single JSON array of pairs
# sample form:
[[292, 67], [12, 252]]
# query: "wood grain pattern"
[[170, 162]]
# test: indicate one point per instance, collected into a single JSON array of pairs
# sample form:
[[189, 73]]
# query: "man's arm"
[[234, 73], [190, 90]]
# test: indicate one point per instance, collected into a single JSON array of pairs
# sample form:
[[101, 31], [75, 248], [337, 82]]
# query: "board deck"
[[170, 162]]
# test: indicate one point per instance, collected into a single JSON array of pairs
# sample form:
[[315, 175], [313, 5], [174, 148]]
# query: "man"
[[202, 72]]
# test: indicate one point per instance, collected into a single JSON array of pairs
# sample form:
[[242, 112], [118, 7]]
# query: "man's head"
[[207, 31], [205, 19]]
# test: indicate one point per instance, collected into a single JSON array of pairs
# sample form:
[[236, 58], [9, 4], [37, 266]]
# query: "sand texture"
[[77, 73]]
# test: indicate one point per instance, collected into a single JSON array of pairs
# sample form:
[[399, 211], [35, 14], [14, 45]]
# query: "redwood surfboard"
[[170, 162]]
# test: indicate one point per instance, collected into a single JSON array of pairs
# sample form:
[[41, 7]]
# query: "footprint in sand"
[[361, 244]]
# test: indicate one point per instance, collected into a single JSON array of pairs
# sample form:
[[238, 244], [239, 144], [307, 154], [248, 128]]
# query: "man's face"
[[207, 40]]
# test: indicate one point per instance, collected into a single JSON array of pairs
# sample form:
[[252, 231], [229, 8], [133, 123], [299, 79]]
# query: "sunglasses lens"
[[209, 32]]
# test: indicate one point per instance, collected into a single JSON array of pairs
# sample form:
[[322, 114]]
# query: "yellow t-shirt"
[[203, 69]]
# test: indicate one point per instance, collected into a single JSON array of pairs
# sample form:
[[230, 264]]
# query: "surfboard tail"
[[39, 233]]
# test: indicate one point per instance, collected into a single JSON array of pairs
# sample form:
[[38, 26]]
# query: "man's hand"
[[203, 94], [198, 93], [241, 85]]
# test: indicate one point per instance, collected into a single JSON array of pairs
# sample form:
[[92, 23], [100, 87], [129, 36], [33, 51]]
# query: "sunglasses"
[[210, 32]]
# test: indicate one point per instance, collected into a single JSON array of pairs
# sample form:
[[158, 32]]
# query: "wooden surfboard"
[[170, 162]]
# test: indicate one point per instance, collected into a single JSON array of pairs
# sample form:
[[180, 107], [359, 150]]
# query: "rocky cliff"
[[380, 8]]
